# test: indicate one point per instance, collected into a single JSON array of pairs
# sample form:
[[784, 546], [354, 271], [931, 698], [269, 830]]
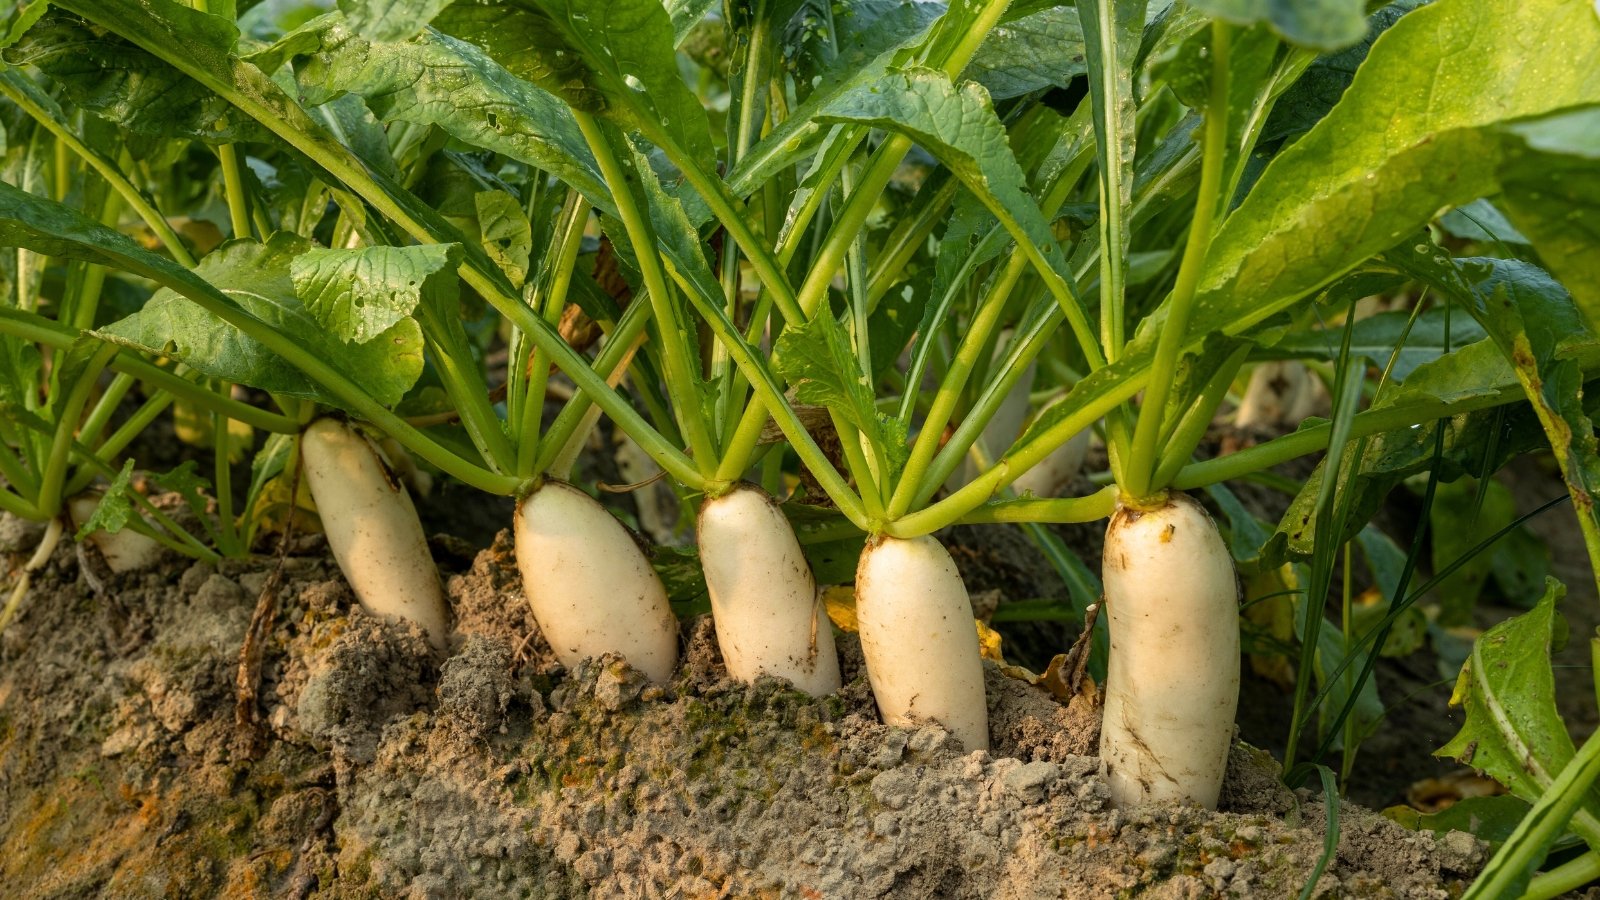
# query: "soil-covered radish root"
[[763, 595], [1050, 476], [126, 550], [590, 586], [372, 528], [919, 640], [1172, 683]]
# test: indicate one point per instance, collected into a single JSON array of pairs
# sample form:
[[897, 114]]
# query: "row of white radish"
[[1170, 600]]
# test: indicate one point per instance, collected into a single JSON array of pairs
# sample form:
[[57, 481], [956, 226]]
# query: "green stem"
[[118, 441], [682, 375], [1023, 457], [1569, 876], [222, 482], [1033, 334], [1315, 439], [43, 331], [1092, 508], [233, 188], [1141, 462], [1508, 871], [464, 384], [615, 354], [973, 343], [1191, 428], [55, 467], [19, 507], [248, 90], [569, 226]]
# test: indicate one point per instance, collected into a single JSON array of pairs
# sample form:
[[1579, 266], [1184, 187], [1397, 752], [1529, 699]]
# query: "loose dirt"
[[389, 771]]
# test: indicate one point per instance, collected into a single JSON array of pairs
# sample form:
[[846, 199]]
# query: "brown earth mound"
[[381, 769]]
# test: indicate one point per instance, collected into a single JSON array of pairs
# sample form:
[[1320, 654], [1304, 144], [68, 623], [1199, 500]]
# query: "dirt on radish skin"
[[119, 775]]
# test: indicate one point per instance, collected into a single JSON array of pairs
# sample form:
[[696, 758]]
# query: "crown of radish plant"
[[863, 223]]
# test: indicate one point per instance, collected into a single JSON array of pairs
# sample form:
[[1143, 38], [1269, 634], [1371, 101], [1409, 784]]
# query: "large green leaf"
[[1303, 104], [1414, 133], [610, 57], [1551, 179], [1319, 24], [104, 74], [359, 294], [1513, 731], [257, 278], [390, 20], [440, 81], [1541, 335], [1045, 49], [1474, 442]]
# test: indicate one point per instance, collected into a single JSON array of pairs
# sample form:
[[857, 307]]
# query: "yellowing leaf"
[[840, 602], [989, 642]]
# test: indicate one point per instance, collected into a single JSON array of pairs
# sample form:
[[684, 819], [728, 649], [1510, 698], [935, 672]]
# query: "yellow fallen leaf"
[[989, 643], [840, 602]]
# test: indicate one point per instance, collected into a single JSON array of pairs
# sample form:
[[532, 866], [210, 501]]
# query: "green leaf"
[[506, 233], [610, 57], [1459, 521], [257, 277], [1414, 133], [1551, 178], [1316, 91], [390, 20], [1393, 456], [685, 14], [21, 19], [1481, 221], [186, 482], [816, 357], [1490, 819], [105, 75], [1246, 535], [115, 507], [1318, 24], [1539, 332], [1513, 732], [1376, 337], [359, 294], [440, 81], [957, 125], [1042, 50]]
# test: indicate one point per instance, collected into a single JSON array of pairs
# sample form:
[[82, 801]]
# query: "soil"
[[382, 769]]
